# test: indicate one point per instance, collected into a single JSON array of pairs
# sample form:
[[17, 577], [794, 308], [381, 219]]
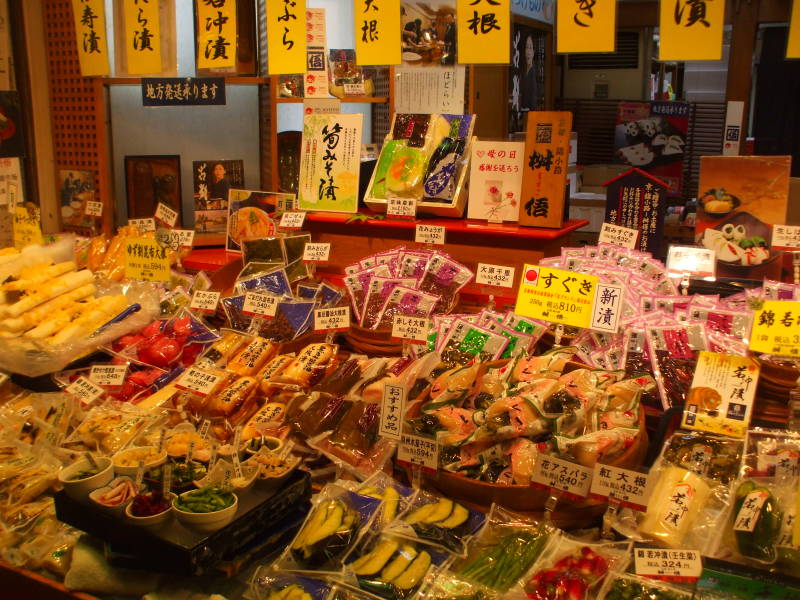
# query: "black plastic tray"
[[269, 516]]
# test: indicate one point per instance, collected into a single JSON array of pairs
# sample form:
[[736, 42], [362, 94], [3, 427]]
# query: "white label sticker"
[[392, 411], [257, 304], [205, 301], [316, 252], [418, 450], [748, 514], [166, 215], [85, 390], [678, 504], [292, 220], [176, 238], [666, 564], [404, 208], [354, 89], [618, 235], [332, 319], [144, 225], [559, 474], [108, 375], [607, 306], [429, 234], [197, 380], [628, 487], [495, 275], [786, 237], [411, 329], [698, 262], [94, 208]]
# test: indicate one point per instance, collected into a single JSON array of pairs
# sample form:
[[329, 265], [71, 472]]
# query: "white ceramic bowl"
[[274, 481], [78, 490], [116, 509], [217, 473], [133, 452], [273, 444], [153, 521], [206, 522]]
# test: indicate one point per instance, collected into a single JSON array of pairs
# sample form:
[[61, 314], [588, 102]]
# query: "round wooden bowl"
[[374, 342]]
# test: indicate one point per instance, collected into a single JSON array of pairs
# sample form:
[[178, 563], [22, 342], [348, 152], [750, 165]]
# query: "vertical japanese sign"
[[216, 34], [330, 163], [484, 31], [793, 44], [635, 200], [90, 34], [315, 81], [142, 36], [27, 226], [586, 26], [377, 27], [776, 328], [691, 29], [545, 173], [286, 36]]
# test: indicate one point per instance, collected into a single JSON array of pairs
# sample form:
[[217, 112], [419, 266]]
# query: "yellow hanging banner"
[[484, 31], [793, 46], [377, 27], [586, 26], [27, 227], [142, 36], [776, 328], [691, 29], [286, 36], [216, 34], [90, 35]]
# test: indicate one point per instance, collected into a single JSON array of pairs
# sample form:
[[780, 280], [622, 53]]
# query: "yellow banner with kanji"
[[90, 35], [776, 328], [586, 26], [27, 227], [691, 29], [377, 27], [216, 34], [484, 31], [286, 36], [142, 36], [793, 46]]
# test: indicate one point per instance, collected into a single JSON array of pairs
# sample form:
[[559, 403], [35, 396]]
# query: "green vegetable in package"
[[757, 519], [629, 589], [501, 565]]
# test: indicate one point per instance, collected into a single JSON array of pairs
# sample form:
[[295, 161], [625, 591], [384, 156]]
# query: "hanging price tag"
[[144, 225], [93, 208], [146, 259], [618, 235], [162, 438], [420, 451], [257, 304], [316, 252], [401, 208], [205, 301], [429, 234], [410, 329], [166, 480], [628, 487], [697, 262], [776, 328], [86, 391], [292, 220], [108, 375], [392, 411], [668, 565], [495, 275], [786, 237], [332, 319], [166, 215], [197, 380], [551, 472]]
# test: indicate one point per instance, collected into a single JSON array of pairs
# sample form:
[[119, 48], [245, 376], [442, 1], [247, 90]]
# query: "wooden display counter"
[[21, 584]]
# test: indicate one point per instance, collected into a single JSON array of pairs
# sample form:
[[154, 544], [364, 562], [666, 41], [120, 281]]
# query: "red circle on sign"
[[531, 275]]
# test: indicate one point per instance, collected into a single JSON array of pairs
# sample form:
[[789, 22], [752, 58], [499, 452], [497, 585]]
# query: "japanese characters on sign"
[[415, 450], [495, 180], [484, 31], [786, 237], [315, 81], [142, 36], [410, 329], [216, 34], [205, 301], [90, 34], [697, 262], [691, 29], [392, 411], [93, 208], [586, 26], [634, 200], [257, 304], [146, 259], [495, 275], [555, 473], [175, 238], [776, 328], [292, 220], [429, 234], [108, 375], [401, 208], [377, 27], [316, 252], [27, 228], [330, 163], [721, 396], [144, 225], [618, 235], [286, 36], [183, 91], [166, 214], [85, 390], [793, 43], [332, 319], [544, 177], [747, 517], [629, 488], [197, 380], [669, 565]]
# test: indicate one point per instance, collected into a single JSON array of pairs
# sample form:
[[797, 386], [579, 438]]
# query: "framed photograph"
[[76, 188], [527, 74], [248, 216], [212, 180], [152, 179]]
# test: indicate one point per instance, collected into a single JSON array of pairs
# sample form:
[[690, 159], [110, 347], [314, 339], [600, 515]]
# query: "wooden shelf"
[[354, 99]]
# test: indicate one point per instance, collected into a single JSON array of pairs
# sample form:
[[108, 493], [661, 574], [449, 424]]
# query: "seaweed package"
[[713, 456], [293, 247], [292, 319], [622, 586], [407, 301], [444, 277], [377, 293], [234, 311], [357, 286], [330, 295], [307, 291], [263, 250], [329, 532], [673, 354], [465, 341], [275, 282], [268, 583]]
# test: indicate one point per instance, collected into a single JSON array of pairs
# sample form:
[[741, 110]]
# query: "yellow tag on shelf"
[[586, 26], [142, 37], [776, 328], [286, 36], [216, 34], [793, 45], [558, 296], [377, 27], [90, 35], [691, 29], [484, 31], [146, 259], [27, 227]]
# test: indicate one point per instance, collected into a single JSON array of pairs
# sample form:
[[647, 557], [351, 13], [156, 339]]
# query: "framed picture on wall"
[[151, 179], [527, 81], [76, 188]]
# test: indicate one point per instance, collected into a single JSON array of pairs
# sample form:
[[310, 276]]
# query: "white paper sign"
[[666, 564], [257, 304], [322, 106], [392, 411], [205, 301], [560, 474], [316, 252], [85, 390], [786, 237], [108, 375], [166, 215], [94, 208], [748, 514], [495, 275], [618, 235], [607, 306], [495, 180], [354, 89], [630, 488], [332, 319], [401, 208], [410, 329], [144, 225], [429, 90], [292, 220], [698, 262], [429, 234], [197, 380], [418, 450]]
